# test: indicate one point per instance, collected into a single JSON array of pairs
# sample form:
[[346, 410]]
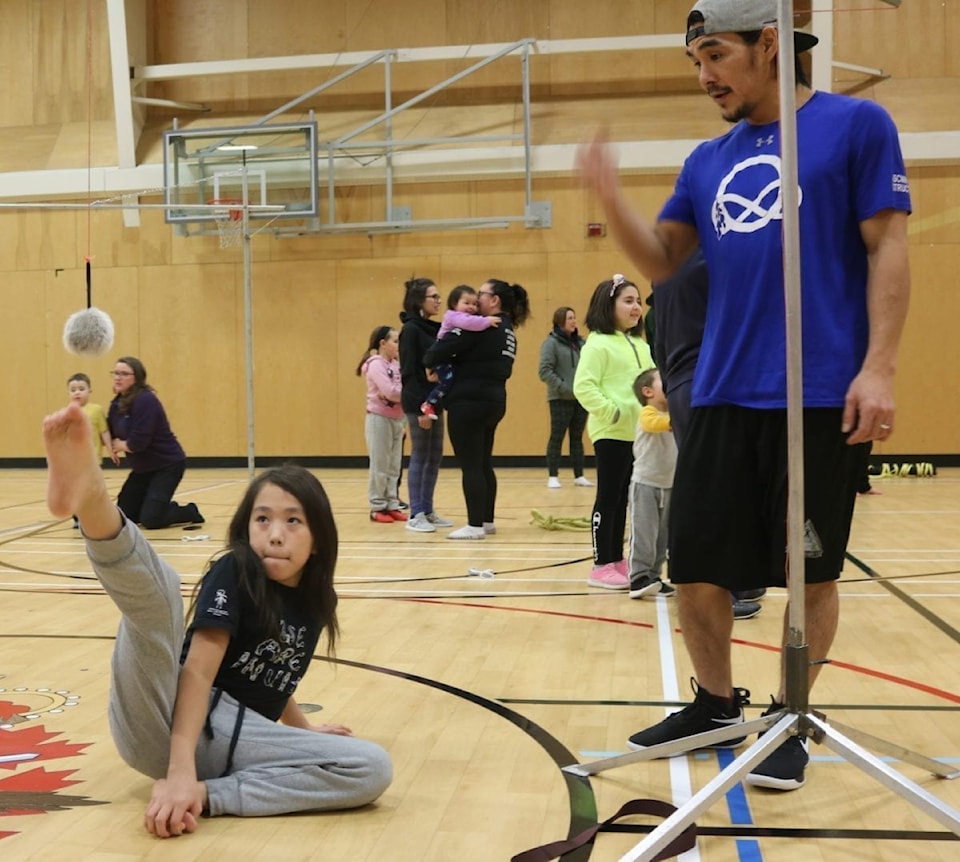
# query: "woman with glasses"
[[140, 430], [478, 400], [421, 303]]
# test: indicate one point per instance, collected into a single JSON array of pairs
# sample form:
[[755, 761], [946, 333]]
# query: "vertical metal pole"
[[795, 657], [525, 69], [388, 129], [248, 318]]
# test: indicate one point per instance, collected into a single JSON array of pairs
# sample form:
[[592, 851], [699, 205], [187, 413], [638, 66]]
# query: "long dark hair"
[[513, 300], [601, 316], [139, 383], [416, 292], [379, 334], [316, 595]]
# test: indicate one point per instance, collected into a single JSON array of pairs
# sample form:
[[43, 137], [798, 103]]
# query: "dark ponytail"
[[378, 335]]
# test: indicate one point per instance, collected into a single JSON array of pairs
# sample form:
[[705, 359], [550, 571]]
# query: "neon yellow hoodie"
[[604, 384]]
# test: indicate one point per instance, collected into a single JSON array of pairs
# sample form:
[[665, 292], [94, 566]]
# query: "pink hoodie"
[[383, 387]]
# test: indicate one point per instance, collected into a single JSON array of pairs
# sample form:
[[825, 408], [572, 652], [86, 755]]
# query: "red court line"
[[866, 671]]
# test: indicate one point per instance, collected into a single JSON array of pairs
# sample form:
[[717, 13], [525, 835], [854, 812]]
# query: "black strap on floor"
[[683, 842]]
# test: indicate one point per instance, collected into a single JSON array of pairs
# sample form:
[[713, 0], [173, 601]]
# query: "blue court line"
[[738, 806], [748, 849]]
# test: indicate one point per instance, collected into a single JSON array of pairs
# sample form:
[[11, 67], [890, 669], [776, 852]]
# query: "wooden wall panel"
[[69, 57], [191, 345], [928, 387], [295, 337], [906, 42], [177, 302], [16, 65]]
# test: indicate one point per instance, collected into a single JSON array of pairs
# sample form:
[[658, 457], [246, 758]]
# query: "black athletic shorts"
[[729, 507]]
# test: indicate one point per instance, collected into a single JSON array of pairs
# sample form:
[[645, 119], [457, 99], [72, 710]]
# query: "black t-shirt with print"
[[261, 671]]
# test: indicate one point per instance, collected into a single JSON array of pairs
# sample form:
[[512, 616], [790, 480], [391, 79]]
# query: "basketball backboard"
[[264, 165]]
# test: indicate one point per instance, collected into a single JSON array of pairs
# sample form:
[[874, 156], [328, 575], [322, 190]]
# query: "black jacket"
[[417, 336], [483, 362], [680, 307]]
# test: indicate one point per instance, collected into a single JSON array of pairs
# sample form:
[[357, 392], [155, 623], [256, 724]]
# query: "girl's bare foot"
[[75, 484]]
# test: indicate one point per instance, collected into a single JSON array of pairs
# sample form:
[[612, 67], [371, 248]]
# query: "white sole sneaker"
[[468, 532]]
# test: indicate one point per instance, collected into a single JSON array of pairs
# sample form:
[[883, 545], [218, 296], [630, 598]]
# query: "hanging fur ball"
[[88, 332]]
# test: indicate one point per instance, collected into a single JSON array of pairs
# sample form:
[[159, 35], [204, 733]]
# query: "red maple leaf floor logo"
[[34, 790]]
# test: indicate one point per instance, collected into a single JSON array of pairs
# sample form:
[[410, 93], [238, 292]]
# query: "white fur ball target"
[[88, 332]]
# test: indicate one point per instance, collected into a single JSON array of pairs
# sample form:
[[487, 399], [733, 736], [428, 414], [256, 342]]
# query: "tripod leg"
[[877, 769], [885, 746], [661, 837]]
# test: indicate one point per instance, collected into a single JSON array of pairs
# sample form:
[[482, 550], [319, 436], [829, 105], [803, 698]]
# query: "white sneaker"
[[553, 482], [489, 528], [468, 532], [583, 482], [420, 524], [437, 521]]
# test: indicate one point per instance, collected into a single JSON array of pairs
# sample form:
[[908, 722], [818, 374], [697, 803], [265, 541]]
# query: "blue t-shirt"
[[850, 168], [261, 670]]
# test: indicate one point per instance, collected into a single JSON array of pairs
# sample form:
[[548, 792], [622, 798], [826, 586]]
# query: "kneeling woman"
[[139, 428], [478, 400]]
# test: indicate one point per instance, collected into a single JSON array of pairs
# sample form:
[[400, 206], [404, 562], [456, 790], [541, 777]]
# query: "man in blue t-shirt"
[[728, 524]]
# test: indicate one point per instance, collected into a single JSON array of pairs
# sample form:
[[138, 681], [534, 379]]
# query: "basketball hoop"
[[229, 218]]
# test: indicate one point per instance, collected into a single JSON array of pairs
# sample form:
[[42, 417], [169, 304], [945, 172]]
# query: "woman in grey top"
[[559, 355]]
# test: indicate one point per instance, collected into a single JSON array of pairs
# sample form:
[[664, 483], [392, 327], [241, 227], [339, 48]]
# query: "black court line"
[[793, 833], [583, 803], [909, 601], [822, 707]]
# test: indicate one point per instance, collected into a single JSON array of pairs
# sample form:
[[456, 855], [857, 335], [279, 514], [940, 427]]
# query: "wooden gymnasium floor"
[[481, 688]]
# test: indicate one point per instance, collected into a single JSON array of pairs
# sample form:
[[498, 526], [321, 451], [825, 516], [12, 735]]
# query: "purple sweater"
[[147, 433]]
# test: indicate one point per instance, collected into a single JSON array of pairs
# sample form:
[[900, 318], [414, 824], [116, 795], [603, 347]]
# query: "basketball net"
[[229, 219]]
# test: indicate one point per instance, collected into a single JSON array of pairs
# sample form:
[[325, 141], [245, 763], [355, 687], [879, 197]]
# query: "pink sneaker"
[[624, 568], [609, 577]]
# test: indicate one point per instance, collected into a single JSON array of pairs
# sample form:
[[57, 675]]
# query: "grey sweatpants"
[[385, 448], [649, 513], [276, 769]]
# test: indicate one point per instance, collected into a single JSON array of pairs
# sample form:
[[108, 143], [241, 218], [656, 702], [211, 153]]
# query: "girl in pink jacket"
[[384, 424]]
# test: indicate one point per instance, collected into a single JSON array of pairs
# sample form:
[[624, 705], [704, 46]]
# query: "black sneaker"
[[750, 595], [707, 712], [745, 610], [668, 591], [193, 514], [783, 769], [645, 586]]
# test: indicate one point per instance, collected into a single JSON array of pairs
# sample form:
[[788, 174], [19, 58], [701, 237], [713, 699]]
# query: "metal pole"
[[795, 658], [248, 318]]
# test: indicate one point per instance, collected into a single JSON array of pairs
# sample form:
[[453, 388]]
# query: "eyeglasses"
[[486, 293], [432, 296], [121, 374]]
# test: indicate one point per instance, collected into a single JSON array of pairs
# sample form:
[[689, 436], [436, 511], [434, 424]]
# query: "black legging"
[[566, 415], [472, 427], [614, 460]]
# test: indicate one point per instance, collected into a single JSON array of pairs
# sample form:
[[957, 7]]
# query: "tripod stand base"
[[791, 724]]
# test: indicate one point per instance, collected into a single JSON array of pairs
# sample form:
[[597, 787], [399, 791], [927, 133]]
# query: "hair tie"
[[617, 280]]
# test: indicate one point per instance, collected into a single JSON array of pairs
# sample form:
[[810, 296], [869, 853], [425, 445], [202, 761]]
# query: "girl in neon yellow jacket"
[[612, 358]]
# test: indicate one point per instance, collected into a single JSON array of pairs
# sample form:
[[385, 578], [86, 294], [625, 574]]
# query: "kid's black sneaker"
[[707, 712]]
